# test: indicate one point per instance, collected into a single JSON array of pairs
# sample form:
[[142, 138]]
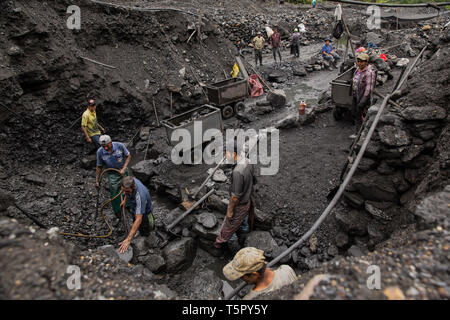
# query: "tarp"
[[257, 88]]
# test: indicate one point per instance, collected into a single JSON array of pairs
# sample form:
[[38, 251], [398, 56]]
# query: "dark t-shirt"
[[242, 181]]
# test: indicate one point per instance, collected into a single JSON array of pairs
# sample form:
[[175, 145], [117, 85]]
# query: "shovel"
[[186, 204]]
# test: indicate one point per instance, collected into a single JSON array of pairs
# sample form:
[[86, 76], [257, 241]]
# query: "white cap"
[[105, 139]]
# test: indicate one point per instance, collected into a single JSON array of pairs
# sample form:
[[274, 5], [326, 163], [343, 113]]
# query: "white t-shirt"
[[283, 276]]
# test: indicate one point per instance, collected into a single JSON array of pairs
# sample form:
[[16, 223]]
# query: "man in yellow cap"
[[250, 265]]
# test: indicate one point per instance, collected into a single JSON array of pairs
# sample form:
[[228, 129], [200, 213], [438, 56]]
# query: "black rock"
[[180, 254]]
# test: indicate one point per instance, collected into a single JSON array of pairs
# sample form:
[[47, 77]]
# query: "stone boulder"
[[6, 200], [300, 72], [264, 220], [144, 170], [324, 97], [179, 254], [426, 113], [277, 98], [375, 187], [218, 176], [154, 262], [290, 121], [35, 179], [208, 234], [260, 110], [262, 240], [207, 220], [353, 222], [394, 136], [277, 76], [218, 203], [433, 210]]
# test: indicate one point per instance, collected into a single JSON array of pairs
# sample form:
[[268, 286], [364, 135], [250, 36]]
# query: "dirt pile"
[[408, 156], [40, 265], [413, 264]]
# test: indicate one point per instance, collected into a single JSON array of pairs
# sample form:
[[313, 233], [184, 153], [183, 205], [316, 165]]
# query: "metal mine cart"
[[209, 116], [341, 93], [228, 95]]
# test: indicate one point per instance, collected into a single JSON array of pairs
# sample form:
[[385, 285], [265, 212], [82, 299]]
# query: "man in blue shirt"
[[327, 53], [112, 155], [139, 202]]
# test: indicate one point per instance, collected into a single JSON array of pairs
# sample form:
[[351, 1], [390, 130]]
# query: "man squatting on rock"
[[250, 265], [112, 155], [138, 201], [241, 206], [90, 126]]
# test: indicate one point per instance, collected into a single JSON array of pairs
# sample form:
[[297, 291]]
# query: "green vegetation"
[[375, 1]]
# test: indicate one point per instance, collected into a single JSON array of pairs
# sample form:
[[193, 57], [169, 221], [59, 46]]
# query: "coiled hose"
[[79, 234]]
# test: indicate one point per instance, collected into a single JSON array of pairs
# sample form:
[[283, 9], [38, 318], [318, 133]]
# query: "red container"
[[301, 108]]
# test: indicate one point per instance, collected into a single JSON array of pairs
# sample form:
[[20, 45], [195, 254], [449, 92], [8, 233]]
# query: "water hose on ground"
[[79, 234]]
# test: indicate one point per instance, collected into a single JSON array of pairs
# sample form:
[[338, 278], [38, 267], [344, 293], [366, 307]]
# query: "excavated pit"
[[49, 169]]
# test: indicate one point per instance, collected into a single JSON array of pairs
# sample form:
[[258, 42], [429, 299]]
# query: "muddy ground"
[[45, 80]]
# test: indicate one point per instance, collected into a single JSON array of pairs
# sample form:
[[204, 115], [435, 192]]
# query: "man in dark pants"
[[275, 42], [363, 83], [258, 46], [139, 202], [241, 204], [296, 43]]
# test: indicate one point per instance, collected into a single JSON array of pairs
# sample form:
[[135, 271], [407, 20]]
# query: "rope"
[[79, 234]]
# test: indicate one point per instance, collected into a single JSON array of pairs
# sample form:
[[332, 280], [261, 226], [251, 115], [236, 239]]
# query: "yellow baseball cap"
[[247, 260]]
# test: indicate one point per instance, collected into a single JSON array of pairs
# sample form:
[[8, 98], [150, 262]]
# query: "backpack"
[[338, 29]]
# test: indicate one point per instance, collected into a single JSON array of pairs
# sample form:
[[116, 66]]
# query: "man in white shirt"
[[250, 265]]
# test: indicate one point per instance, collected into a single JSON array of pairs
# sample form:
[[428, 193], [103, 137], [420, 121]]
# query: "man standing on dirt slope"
[[363, 83], [275, 42], [327, 53], [241, 204], [258, 46], [90, 126], [296, 43], [250, 265], [112, 155], [138, 201]]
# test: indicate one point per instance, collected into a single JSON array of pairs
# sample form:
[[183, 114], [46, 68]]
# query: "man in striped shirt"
[[139, 202], [363, 83]]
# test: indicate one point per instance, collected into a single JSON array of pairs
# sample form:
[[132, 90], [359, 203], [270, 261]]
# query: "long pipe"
[[173, 224], [405, 76], [209, 177]]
